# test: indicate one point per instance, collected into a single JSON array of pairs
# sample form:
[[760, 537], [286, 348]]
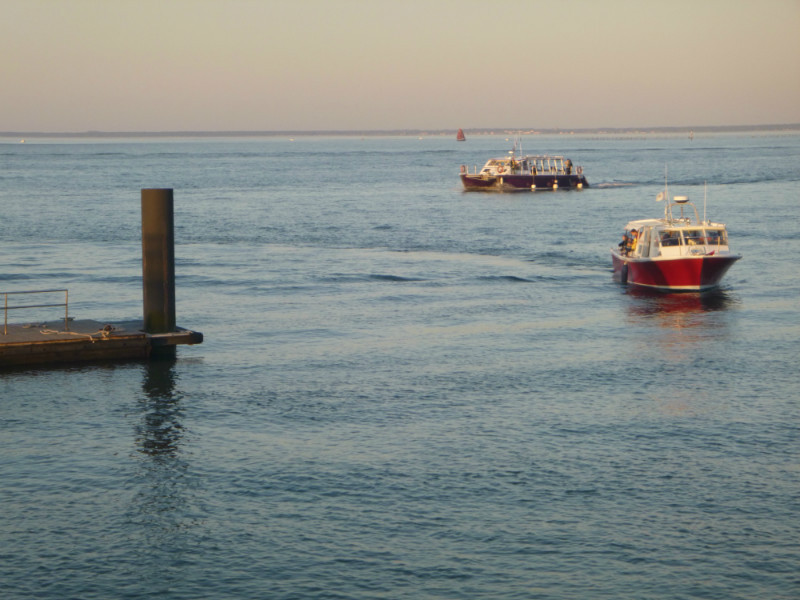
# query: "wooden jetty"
[[86, 340], [68, 340]]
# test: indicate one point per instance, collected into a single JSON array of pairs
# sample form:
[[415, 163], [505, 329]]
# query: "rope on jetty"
[[104, 332]]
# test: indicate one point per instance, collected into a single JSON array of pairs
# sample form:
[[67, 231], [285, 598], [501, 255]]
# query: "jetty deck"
[[84, 340]]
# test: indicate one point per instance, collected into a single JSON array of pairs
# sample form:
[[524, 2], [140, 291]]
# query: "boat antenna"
[[705, 193], [517, 147], [664, 195]]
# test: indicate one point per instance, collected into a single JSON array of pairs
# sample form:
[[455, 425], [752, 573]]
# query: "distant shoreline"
[[790, 127]]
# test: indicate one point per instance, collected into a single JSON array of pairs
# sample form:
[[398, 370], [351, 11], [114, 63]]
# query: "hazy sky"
[[183, 65]]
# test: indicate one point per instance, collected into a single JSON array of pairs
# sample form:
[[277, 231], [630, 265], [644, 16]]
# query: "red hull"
[[689, 273]]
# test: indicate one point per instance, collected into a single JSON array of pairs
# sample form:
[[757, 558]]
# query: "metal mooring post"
[[158, 260]]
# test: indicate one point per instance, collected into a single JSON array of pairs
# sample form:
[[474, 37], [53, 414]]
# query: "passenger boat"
[[674, 253], [524, 173]]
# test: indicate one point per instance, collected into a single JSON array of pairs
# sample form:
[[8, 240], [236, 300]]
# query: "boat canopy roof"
[[671, 224], [528, 157], [643, 223]]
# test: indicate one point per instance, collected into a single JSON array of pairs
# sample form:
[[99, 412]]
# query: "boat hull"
[[686, 273], [521, 183]]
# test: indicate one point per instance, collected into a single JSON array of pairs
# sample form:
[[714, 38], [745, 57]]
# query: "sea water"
[[405, 390]]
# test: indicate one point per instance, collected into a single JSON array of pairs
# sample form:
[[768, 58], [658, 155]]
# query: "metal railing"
[[7, 308]]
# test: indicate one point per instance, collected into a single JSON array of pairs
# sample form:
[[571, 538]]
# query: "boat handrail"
[[7, 308], [669, 218]]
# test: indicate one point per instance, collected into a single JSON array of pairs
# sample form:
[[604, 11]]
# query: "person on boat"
[[568, 166], [633, 237], [623, 245]]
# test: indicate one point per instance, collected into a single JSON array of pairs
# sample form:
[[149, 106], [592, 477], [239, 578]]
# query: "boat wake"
[[613, 184]]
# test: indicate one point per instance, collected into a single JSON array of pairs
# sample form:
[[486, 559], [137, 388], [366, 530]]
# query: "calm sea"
[[405, 390]]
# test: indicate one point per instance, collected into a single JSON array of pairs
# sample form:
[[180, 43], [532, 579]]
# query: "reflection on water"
[[160, 505], [161, 430], [685, 321], [647, 302]]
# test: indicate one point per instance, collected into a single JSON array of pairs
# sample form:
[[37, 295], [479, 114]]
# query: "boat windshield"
[[717, 237], [694, 237], [671, 237]]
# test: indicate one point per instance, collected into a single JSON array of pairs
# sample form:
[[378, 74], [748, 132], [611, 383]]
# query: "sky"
[[338, 65]]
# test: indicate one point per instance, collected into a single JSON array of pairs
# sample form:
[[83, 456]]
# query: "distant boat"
[[460, 136], [524, 173]]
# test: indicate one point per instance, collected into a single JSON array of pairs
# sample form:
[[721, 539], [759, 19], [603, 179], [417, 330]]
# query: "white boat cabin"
[[674, 237]]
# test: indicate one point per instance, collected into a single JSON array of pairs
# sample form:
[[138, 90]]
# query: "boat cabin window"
[[670, 238], [644, 242], [487, 168], [694, 237], [717, 237]]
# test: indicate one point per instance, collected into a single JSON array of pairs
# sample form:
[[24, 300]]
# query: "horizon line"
[[473, 131]]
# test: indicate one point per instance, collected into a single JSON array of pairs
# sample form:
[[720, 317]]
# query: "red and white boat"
[[675, 253]]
